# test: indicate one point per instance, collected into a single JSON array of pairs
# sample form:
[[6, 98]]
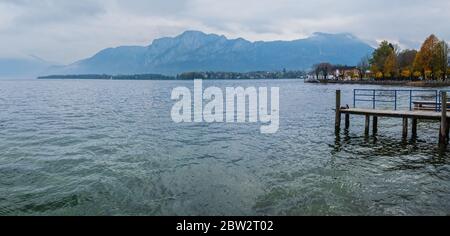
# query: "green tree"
[[379, 57], [440, 60]]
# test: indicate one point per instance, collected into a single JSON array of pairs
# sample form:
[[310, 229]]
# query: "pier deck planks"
[[429, 115]]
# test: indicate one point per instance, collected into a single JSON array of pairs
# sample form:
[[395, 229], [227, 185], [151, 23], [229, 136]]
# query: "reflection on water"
[[376, 145], [111, 148]]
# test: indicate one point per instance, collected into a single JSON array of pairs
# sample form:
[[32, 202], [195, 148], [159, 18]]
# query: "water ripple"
[[110, 148]]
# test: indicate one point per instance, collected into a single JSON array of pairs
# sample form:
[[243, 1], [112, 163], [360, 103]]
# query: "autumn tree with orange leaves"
[[432, 59]]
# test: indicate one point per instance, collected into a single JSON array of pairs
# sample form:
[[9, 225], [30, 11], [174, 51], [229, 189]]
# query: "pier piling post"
[[338, 110], [414, 127], [375, 125], [447, 131], [443, 130], [347, 121], [367, 125], [405, 127]]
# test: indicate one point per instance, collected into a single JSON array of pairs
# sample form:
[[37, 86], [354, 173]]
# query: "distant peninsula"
[[110, 77], [188, 76]]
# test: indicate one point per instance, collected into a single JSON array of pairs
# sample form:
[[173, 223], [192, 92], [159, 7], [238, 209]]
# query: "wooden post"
[[338, 109], [375, 125], [367, 125], [347, 121], [447, 131], [443, 131], [405, 127], [414, 127]]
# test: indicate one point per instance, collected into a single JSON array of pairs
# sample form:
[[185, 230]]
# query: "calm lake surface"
[[110, 148]]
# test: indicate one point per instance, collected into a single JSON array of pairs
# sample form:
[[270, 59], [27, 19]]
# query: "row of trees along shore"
[[431, 62]]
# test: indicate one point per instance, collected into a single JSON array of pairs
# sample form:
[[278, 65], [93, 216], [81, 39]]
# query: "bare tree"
[[363, 66], [322, 68]]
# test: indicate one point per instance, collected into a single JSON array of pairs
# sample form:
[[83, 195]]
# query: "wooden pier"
[[443, 116]]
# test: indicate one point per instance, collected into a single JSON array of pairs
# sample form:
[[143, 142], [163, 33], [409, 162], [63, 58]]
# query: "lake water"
[[111, 148]]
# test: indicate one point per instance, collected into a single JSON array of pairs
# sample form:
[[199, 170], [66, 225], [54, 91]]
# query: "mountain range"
[[197, 51]]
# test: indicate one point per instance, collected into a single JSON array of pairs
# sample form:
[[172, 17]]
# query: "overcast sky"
[[64, 31]]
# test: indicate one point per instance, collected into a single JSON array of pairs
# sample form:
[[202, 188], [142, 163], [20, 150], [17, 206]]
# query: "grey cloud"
[[33, 12], [154, 7], [66, 30]]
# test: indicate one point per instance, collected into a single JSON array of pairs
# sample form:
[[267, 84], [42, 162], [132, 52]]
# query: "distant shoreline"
[[427, 83], [165, 79], [258, 75], [108, 77]]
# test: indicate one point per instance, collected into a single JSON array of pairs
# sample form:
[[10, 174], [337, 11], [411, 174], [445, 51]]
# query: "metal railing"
[[397, 98]]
